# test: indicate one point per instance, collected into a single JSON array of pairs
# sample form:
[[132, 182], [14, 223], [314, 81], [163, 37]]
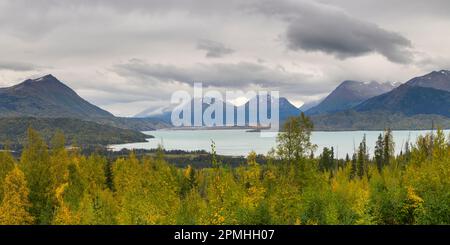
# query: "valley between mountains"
[[47, 104]]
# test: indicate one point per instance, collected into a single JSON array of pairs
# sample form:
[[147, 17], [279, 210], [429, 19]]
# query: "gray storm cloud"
[[348, 38], [318, 27], [213, 49], [303, 48]]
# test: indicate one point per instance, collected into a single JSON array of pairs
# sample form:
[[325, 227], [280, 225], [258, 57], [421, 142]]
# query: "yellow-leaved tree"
[[15, 204], [7, 163]]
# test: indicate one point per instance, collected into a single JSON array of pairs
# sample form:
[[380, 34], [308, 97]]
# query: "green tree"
[[294, 142], [363, 158], [326, 160], [379, 152], [388, 147], [59, 160], [76, 186], [64, 214], [189, 180], [36, 164]]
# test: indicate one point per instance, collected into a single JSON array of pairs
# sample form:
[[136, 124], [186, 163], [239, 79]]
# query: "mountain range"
[[429, 94], [413, 97], [417, 104], [48, 102], [420, 97], [286, 109]]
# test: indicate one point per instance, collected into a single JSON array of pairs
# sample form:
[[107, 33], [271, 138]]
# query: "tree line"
[[50, 184]]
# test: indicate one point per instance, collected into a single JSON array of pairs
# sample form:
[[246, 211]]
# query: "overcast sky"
[[127, 56]]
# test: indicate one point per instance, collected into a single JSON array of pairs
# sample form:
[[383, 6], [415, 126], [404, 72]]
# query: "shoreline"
[[259, 129]]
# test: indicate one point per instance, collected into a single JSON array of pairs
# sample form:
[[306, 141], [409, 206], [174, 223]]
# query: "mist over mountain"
[[286, 109], [308, 105], [349, 94]]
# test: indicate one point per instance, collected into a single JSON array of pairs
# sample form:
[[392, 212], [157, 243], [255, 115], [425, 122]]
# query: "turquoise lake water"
[[240, 143]]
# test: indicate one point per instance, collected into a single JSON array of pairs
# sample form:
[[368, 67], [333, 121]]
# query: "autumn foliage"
[[53, 185]]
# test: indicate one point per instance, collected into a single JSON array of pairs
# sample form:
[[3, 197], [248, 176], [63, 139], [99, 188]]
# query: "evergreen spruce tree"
[[362, 164], [354, 167], [388, 147], [326, 159], [379, 152]]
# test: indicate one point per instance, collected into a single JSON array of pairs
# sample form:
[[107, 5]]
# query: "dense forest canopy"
[[76, 131], [54, 185]]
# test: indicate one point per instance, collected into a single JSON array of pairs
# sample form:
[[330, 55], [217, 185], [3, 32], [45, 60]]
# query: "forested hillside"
[[13, 131], [56, 186], [377, 120]]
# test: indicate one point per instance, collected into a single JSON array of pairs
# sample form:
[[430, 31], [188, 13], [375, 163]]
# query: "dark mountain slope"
[[349, 94], [410, 100], [46, 97], [436, 79]]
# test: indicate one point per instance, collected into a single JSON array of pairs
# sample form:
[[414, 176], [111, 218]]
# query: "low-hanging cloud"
[[214, 49], [239, 75], [17, 66]]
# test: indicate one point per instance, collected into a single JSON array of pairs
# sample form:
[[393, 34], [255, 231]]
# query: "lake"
[[239, 142]]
